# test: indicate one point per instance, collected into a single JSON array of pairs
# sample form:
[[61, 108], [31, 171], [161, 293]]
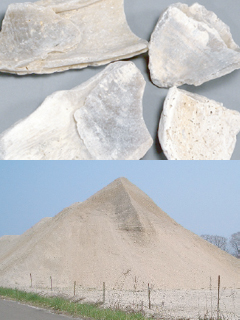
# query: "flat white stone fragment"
[[191, 45], [51, 133], [111, 123], [193, 127], [55, 35], [30, 32], [63, 5]]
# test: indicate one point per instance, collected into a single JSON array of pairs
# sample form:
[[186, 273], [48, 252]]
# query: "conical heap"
[[118, 236]]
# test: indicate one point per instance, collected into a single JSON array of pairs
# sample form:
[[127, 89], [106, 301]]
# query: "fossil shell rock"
[[108, 111], [193, 127], [56, 35], [190, 45]]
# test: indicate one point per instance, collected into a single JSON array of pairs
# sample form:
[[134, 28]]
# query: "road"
[[11, 310]]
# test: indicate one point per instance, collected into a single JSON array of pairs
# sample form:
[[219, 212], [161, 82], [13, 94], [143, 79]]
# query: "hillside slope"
[[119, 236]]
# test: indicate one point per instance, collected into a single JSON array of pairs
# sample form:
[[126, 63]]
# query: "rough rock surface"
[[191, 45], [30, 33], [63, 5], [111, 125], [49, 36], [193, 127], [118, 235]]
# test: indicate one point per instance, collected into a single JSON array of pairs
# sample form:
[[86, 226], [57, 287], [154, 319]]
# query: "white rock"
[[193, 127], [30, 33], [191, 45], [51, 133], [50, 35], [111, 123], [63, 5]]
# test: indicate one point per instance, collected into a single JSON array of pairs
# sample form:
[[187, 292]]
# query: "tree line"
[[231, 245]]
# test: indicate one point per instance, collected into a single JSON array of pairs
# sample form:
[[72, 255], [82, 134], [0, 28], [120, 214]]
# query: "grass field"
[[64, 306]]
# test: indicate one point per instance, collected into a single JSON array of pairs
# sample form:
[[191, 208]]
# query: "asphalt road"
[[11, 310]]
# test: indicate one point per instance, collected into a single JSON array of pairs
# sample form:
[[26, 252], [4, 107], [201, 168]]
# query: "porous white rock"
[[191, 45], [112, 104], [193, 127], [56, 35]]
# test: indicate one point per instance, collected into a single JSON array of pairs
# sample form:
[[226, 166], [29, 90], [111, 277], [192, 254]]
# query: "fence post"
[[211, 296], [104, 292], [74, 288], [51, 282], [31, 279], [149, 297], [218, 309]]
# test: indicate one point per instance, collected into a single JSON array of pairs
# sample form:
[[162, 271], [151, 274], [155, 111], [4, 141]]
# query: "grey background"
[[21, 95]]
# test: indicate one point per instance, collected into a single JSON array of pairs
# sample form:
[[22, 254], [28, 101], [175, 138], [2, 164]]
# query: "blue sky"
[[202, 196]]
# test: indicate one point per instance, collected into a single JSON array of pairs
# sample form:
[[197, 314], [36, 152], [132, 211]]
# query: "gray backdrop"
[[21, 95]]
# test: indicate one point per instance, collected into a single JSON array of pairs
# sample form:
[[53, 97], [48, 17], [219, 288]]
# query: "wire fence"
[[213, 302]]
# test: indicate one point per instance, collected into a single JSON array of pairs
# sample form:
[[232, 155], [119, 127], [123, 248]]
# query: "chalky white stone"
[[63, 5], [111, 123], [56, 35], [191, 45], [110, 126], [30, 33], [193, 127]]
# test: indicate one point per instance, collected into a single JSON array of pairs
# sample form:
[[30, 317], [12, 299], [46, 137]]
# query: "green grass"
[[71, 308]]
